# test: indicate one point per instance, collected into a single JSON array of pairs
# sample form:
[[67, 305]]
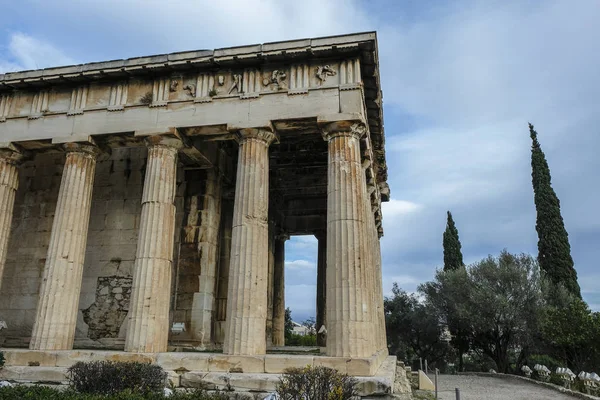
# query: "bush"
[[546, 360], [2, 360], [301, 340], [108, 377], [315, 383]]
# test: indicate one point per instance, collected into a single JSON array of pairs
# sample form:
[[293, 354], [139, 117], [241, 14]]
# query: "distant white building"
[[299, 329]]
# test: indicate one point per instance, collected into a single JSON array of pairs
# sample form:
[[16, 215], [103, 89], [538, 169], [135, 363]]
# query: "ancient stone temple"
[[145, 204]]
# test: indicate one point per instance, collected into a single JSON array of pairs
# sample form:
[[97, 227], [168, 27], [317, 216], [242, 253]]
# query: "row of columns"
[[350, 278]]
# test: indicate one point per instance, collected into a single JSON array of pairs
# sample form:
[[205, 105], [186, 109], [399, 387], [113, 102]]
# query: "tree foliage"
[[573, 331], [413, 328], [554, 250], [453, 258], [289, 325], [495, 302]]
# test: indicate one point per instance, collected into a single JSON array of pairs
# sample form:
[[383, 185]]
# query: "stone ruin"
[[153, 193]]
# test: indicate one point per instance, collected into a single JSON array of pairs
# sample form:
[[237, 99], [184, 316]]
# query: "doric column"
[[279, 291], [9, 183], [148, 325], [321, 287], [208, 248], [349, 295], [248, 273], [270, 285], [54, 326]]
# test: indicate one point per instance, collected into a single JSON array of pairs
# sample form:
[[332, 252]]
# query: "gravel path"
[[488, 388]]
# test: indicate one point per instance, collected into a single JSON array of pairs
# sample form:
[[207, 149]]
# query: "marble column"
[[148, 318], [208, 248], [321, 287], [10, 158], [349, 295], [245, 329], [279, 291], [270, 285], [56, 316]]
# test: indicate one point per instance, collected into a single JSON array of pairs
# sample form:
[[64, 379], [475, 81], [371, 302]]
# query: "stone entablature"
[[172, 81]]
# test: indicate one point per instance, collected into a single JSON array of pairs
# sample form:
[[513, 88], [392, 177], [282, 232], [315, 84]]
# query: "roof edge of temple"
[[363, 43]]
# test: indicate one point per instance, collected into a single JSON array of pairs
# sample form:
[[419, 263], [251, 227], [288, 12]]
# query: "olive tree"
[[496, 303]]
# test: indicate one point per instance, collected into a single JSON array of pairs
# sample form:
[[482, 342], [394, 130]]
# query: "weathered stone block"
[[189, 361], [278, 363], [245, 364], [34, 374], [24, 358]]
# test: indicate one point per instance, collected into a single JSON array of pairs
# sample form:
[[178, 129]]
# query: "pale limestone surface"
[[349, 293], [9, 182], [248, 272], [54, 327], [148, 327]]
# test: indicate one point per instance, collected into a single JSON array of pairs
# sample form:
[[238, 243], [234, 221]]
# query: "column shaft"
[[9, 183], [279, 291], [56, 316], [148, 325], [247, 289], [321, 288], [349, 295], [270, 285], [208, 247]]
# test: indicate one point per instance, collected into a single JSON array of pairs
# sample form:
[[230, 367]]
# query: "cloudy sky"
[[461, 79]]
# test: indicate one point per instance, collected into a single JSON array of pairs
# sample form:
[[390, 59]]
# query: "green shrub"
[[2, 360], [301, 340], [315, 383], [108, 377], [546, 360]]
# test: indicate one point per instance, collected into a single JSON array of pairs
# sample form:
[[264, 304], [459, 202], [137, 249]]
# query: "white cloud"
[[26, 52], [300, 264]]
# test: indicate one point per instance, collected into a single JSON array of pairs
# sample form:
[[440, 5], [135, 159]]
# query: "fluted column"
[[245, 329], [321, 287], [279, 291], [9, 183], [208, 247], [54, 326], [148, 318], [349, 295]]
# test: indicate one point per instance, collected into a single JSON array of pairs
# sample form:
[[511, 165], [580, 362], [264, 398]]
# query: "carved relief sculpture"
[[191, 89], [173, 86], [277, 77], [324, 71], [237, 84]]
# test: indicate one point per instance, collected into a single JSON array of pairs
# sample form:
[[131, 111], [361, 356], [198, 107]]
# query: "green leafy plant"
[[108, 377], [316, 383], [147, 98], [2, 359]]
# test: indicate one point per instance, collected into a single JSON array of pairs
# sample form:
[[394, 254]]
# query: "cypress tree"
[[554, 250], [453, 258]]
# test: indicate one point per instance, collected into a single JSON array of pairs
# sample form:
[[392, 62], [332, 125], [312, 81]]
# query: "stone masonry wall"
[[111, 244]]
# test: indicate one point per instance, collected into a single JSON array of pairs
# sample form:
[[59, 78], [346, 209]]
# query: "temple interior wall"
[[111, 244]]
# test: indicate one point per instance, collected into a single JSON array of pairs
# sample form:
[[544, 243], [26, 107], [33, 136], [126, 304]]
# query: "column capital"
[[264, 134], [345, 127], [164, 141], [87, 149], [10, 153]]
